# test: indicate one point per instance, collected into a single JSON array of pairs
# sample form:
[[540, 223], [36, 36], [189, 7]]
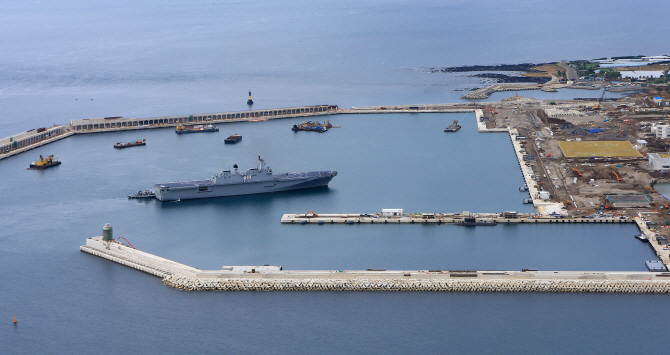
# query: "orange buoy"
[[15, 319]]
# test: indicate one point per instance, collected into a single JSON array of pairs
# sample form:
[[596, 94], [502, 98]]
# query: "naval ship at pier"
[[258, 180]]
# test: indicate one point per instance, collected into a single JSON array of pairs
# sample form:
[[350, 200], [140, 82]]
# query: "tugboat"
[[454, 127], [641, 238], [195, 129], [474, 222], [233, 139], [130, 144], [44, 163], [143, 194]]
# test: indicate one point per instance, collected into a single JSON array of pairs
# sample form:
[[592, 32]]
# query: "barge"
[[454, 127], [44, 163], [130, 144], [233, 139], [196, 129]]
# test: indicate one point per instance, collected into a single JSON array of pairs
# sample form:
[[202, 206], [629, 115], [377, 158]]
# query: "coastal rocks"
[[503, 78], [470, 285], [523, 67]]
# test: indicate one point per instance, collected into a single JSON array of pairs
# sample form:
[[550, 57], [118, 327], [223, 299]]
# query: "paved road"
[[572, 75]]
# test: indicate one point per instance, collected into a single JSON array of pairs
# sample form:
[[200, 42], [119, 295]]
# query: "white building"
[[661, 131], [659, 161], [392, 212]]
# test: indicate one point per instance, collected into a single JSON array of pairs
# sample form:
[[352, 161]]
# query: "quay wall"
[[23, 142], [95, 125], [447, 218]]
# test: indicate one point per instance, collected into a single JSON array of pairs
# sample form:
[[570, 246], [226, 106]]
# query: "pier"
[[442, 218], [662, 251], [187, 278], [23, 142]]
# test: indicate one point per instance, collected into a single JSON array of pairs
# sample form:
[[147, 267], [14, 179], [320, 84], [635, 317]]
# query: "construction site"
[[584, 152]]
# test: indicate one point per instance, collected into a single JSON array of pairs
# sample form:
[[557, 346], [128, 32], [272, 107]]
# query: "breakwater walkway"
[[187, 278]]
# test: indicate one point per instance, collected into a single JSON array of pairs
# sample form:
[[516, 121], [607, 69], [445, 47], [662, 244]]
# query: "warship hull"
[[207, 189]]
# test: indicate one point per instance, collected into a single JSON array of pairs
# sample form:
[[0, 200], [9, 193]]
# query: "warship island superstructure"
[[256, 180]]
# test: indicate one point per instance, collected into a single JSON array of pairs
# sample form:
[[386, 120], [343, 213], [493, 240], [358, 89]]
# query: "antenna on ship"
[[250, 101]]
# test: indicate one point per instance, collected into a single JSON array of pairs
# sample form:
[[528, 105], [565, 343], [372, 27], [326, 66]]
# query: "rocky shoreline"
[[503, 78], [523, 67]]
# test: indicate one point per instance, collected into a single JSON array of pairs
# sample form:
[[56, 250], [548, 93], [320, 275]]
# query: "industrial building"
[[659, 161]]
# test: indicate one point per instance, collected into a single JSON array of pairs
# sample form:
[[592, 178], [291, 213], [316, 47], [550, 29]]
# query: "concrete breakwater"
[[267, 278], [22, 142], [459, 285]]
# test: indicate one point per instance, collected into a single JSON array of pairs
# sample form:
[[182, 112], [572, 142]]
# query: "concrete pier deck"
[[661, 251], [184, 277], [439, 218]]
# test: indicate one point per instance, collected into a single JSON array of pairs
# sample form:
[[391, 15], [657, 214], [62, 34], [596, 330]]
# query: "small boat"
[[130, 144], [233, 139], [44, 163], [195, 129], [454, 127], [143, 194], [641, 237], [475, 222]]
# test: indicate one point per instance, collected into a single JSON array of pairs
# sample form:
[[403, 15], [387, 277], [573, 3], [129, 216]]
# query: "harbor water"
[[144, 59]]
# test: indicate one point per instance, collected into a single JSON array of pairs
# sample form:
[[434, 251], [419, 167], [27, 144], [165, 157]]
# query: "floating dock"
[[188, 278]]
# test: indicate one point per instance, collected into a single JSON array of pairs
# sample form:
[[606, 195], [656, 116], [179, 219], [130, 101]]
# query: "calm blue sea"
[[80, 59]]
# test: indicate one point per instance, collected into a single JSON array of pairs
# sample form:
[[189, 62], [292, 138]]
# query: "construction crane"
[[597, 106], [474, 103]]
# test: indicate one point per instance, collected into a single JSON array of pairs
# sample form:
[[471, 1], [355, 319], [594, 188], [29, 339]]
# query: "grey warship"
[[258, 180]]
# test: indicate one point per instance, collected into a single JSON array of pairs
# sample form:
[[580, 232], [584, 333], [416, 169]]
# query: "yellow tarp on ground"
[[585, 149]]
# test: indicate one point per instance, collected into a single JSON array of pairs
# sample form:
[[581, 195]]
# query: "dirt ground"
[[546, 70]]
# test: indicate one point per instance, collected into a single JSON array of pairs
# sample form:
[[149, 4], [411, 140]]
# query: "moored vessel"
[[454, 127], [143, 194], [44, 163], [233, 139], [130, 144], [256, 180], [196, 129], [313, 126], [474, 222]]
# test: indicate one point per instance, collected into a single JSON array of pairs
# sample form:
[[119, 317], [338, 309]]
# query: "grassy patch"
[[586, 149]]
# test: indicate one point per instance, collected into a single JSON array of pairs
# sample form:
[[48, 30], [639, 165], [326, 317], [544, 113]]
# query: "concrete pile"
[[469, 285]]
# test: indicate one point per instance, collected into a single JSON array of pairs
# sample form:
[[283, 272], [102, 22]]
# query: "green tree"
[[612, 74]]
